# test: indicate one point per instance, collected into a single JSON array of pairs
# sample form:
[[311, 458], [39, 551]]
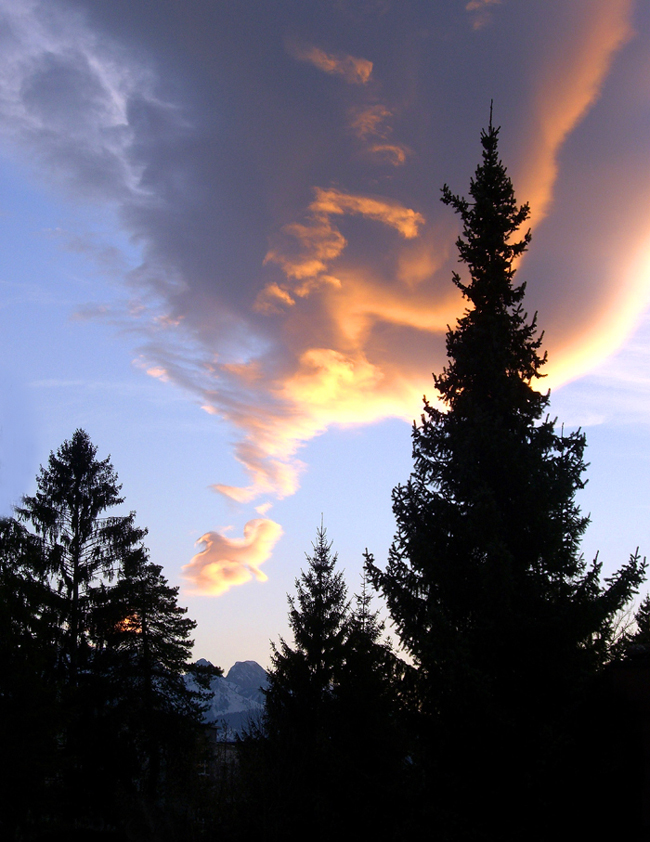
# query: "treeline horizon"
[[505, 712]]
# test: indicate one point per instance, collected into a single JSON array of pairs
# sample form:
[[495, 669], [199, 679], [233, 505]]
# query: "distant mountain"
[[238, 698]]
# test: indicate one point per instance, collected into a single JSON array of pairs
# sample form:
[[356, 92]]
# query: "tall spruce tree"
[[485, 581], [79, 541], [29, 721]]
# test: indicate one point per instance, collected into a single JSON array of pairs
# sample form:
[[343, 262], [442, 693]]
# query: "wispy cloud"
[[480, 11], [357, 71], [404, 220], [371, 125], [567, 84], [370, 121]]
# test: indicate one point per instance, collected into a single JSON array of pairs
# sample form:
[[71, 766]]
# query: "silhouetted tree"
[[78, 541], [370, 686], [303, 678], [143, 644], [368, 732], [485, 582], [29, 721], [637, 640], [293, 761], [330, 753]]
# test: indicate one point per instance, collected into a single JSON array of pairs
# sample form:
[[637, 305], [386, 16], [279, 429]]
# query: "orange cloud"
[[404, 220], [327, 388], [361, 304], [566, 86], [370, 121], [372, 316], [225, 562], [305, 255], [588, 349], [319, 243], [391, 153], [273, 296], [268, 453], [354, 70]]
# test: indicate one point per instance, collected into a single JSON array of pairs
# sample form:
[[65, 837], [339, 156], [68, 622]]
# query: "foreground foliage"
[[96, 652]]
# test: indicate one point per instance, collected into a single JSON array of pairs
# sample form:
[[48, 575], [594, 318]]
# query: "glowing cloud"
[[284, 306], [567, 85], [389, 152], [370, 121], [354, 70], [319, 243], [391, 213], [225, 562]]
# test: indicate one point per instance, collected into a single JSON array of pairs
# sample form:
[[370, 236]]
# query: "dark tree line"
[[96, 715]]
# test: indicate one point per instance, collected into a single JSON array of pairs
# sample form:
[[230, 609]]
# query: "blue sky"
[[222, 254]]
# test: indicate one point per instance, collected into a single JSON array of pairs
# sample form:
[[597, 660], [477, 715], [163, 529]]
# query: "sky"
[[223, 254]]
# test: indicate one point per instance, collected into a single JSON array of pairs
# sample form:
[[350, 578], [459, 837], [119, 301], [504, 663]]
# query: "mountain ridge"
[[238, 698]]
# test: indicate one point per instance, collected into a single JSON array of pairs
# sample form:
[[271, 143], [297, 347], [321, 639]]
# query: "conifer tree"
[[300, 759], [28, 710], [369, 733], [485, 581], [369, 689], [79, 542], [143, 647], [303, 678], [331, 753]]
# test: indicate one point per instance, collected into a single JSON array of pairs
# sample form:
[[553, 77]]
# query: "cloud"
[[294, 260], [623, 377], [567, 84], [319, 243], [404, 220], [158, 373], [389, 152], [370, 121], [65, 99], [225, 562], [354, 70], [480, 10]]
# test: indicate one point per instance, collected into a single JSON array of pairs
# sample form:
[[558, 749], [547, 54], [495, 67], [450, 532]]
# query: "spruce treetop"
[[493, 350]]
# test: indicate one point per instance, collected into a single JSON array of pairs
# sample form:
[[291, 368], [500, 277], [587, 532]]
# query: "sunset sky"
[[224, 255]]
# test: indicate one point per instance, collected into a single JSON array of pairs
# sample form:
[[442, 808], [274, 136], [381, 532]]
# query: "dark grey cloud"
[[278, 166]]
